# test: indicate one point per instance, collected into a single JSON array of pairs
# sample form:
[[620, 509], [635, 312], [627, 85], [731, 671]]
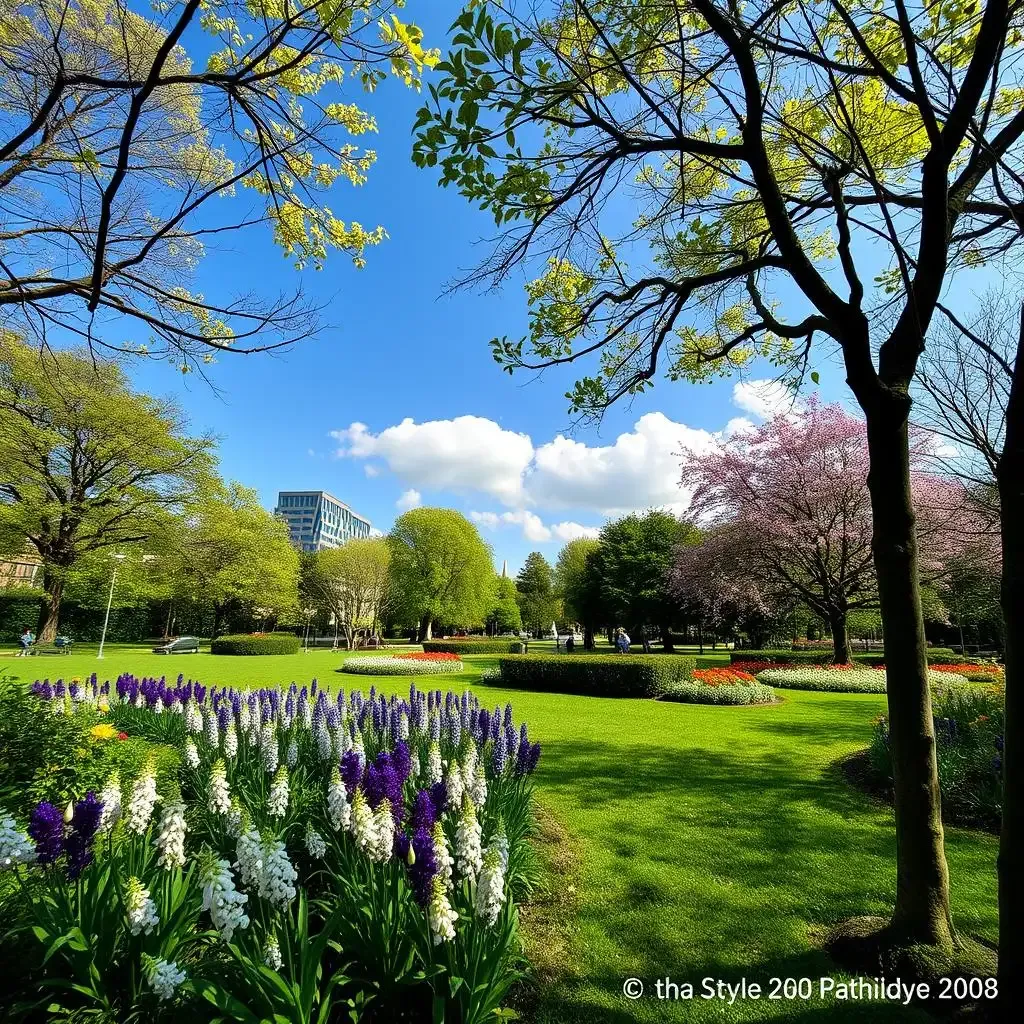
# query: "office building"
[[318, 520], [24, 570]]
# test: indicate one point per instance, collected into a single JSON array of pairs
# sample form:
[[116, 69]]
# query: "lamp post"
[[309, 613], [118, 559]]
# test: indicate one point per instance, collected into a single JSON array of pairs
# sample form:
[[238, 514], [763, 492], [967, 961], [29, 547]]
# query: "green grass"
[[712, 841]]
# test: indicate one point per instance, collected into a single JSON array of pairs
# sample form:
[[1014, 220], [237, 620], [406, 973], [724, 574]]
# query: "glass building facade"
[[318, 520]]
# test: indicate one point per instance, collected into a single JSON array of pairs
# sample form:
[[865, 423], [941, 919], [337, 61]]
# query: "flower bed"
[[839, 678], [974, 673], [316, 853], [429, 656], [399, 665], [720, 686]]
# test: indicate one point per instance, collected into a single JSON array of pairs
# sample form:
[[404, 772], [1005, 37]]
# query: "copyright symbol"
[[632, 988]]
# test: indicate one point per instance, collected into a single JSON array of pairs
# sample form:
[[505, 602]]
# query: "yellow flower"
[[103, 732]]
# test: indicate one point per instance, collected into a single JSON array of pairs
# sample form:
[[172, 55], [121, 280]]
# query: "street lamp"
[[309, 613], [118, 557]]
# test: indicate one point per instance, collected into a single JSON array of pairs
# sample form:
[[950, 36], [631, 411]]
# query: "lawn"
[[709, 841]]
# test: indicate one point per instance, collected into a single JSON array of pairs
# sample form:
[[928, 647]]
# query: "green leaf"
[[815, 376]]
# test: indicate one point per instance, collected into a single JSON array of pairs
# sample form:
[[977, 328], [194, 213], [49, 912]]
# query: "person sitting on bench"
[[27, 639]]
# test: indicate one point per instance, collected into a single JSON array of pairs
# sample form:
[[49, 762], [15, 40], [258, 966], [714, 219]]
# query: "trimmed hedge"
[[267, 643], [694, 692], [473, 646], [936, 656], [597, 675]]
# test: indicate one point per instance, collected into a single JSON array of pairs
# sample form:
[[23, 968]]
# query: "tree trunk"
[[922, 912], [1010, 478], [426, 627], [49, 608], [840, 635], [588, 637], [700, 636], [666, 640], [218, 614]]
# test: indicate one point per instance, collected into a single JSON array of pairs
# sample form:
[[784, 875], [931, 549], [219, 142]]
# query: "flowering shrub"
[[968, 749], [974, 672], [731, 676], [718, 691], [428, 656], [316, 854], [396, 665], [838, 678]]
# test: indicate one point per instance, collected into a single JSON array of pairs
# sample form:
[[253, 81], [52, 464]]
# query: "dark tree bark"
[[588, 637], [840, 636], [426, 627], [922, 911], [49, 608], [1010, 478], [666, 639]]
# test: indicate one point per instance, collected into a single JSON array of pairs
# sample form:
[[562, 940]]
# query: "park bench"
[[55, 648]]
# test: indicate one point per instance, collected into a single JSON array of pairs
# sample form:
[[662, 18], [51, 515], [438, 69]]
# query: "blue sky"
[[397, 350]]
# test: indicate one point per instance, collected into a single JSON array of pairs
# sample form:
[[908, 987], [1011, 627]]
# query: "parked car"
[[179, 645]]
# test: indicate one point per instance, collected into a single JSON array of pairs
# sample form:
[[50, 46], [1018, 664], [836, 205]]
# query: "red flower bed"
[[428, 656], [753, 667], [731, 676], [964, 668]]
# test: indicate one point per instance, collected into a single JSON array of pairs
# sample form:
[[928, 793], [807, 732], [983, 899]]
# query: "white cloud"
[[310, 452], [533, 526], [574, 531], [371, 470], [764, 398], [490, 520], [468, 453], [409, 499], [374, 532], [738, 425]]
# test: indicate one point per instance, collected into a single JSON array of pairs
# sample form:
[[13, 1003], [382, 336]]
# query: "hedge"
[[598, 675], [936, 656], [473, 646], [694, 692], [265, 643]]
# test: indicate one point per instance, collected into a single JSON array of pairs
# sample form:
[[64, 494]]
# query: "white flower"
[[158, 706], [469, 761], [218, 794], [384, 826], [140, 701], [338, 812], [478, 791], [324, 747], [224, 902], [403, 726], [315, 843], [170, 837], [193, 717], [110, 797], [272, 953], [15, 846], [442, 855], [364, 826], [141, 910], [468, 855], [141, 803], [490, 887], [243, 716], [499, 842], [231, 741], [435, 769], [212, 732], [277, 800], [249, 858], [233, 825], [440, 916], [292, 756], [163, 976], [268, 748], [277, 882], [454, 787], [191, 753]]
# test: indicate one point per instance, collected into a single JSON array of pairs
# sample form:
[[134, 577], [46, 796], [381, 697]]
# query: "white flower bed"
[[840, 680], [389, 665]]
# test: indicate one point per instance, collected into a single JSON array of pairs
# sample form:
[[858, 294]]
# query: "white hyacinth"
[[338, 812], [272, 953], [435, 769], [15, 847], [170, 837], [277, 882], [211, 730], [440, 916], [468, 854], [277, 800], [499, 842], [164, 977], [231, 741], [141, 910], [244, 716], [442, 855], [292, 756], [364, 826], [141, 803], [324, 747], [193, 717], [478, 791], [233, 824], [340, 741], [468, 766], [249, 858], [140, 701], [454, 787], [158, 706], [110, 797], [218, 794], [315, 843], [224, 902], [384, 826], [269, 753], [191, 753], [490, 887], [403, 726]]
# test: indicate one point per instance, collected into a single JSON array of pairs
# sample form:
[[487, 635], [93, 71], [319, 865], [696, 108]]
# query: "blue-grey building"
[[318, 520]]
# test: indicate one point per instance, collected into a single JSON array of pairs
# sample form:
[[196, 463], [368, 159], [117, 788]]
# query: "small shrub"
[[780, 657], [720, 686], [597, 675], [473, 646], [256, 643], [390, 665], [839, 678]]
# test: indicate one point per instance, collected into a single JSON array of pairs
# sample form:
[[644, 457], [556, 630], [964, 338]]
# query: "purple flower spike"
[[424, 868], [47, 831], [85, 821], [424, 813], [351, 770]]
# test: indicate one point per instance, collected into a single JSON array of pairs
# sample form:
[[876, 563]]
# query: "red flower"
[[428, 656], [122, 735]]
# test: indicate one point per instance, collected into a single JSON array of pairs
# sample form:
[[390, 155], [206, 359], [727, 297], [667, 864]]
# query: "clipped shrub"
[[697, 692], [936, 656], [839, 679], [597, 675], [473, 646], [256, 643], [781, 657], [386, 665]]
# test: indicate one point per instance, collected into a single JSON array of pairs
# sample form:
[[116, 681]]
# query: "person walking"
[[27, 639]]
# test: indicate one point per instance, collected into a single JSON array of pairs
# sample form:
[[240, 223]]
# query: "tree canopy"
[[535, 593], [353, 582]]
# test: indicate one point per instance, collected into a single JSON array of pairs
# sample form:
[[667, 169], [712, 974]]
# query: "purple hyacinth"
[[455, 729], [351, 770], [483, 724], [46, 828], [424, 811], [439, 798], [499, 757], [435, 727], [223, 717], [508, 716], [84, 823], [534, 759], [402, 760], [424, 867], [496, 724], [199, 692]]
